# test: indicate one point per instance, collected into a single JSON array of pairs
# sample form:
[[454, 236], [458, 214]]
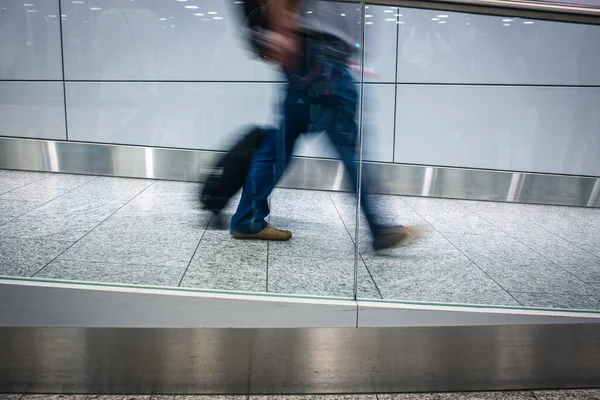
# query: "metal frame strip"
[[66, 338], [306, 173]]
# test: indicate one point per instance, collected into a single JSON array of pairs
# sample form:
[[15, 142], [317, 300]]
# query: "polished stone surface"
[[148, 232], [25, 257], [142, 239], [11, 209]]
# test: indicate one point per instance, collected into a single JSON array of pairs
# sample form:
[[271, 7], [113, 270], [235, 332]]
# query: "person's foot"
[[390, 237], [269, 233]]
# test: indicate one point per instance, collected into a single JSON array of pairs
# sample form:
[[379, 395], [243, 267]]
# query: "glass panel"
[[178, 74], [494, 94]]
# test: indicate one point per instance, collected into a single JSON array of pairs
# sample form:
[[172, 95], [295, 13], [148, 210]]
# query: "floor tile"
[[435, 277], [558, 300], [461, 396], [10, 209], [589, 215], [558, 221], [111, 188], [112, 273], [448, 216], [303, 205], [516, 267], [592, 394], [367, 288], [311, 276], [10, 180], [24, 257], [574, 259], [169, 189], [64, 181], [313, 239], [140, 239], [34, 192], [149, 203], [61, 219], [223, 263]]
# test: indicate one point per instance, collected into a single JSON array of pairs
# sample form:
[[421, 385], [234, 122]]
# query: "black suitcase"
[[228, 175]]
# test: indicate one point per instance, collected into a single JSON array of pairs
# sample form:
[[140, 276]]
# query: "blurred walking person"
[[313, 47]]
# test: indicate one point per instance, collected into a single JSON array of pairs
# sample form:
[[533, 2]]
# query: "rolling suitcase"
[[228, 175]]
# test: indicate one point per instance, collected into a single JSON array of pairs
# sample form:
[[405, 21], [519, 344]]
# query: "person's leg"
[[253, 207], [267, 167], [343, 132]]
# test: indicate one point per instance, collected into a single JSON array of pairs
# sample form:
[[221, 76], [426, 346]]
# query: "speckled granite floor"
[[537, 395], [152, 233]]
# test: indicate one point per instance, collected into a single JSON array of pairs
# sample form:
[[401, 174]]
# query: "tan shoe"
[[394, 236], [269, 233]]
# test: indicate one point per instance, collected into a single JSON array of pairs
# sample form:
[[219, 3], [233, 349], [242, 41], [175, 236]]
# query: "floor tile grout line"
[[530, 248], [359, 253], [114, 263], [49, 201], [269, 199], [469, 258], [91, 230], [27, 184], [195, 251], [267, 269]]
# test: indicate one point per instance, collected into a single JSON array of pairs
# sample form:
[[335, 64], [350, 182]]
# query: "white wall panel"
[[157, 40], [206, 115], [443, 47], [533, 129], [187, 115], [32, 110], [380, 43], [30, 40], [378, 117]]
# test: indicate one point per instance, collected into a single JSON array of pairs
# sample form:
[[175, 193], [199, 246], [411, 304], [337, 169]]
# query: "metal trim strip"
[[307, 173], [515, 8]]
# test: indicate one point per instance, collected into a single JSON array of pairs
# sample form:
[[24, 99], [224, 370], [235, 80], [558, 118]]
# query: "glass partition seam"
[[360, 149], [62, 65], [396, 89]]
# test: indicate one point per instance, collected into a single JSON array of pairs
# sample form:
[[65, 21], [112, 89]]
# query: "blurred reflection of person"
[[128, 49], [322, 75], [422, 49]]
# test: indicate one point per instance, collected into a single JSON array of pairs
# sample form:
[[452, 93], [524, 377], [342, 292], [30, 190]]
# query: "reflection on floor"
[[152, 233], [591, 394]]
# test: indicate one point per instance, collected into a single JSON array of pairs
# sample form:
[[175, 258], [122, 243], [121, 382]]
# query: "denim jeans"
[[336, 112]]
